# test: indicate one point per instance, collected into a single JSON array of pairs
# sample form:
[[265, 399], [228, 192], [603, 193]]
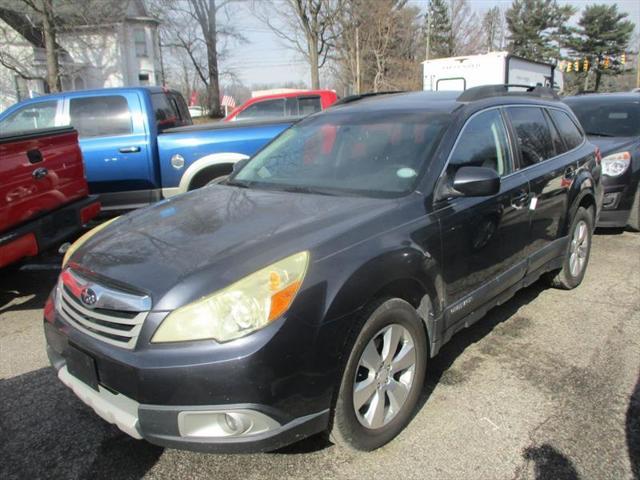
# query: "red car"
[[298, 103], [44, 197]]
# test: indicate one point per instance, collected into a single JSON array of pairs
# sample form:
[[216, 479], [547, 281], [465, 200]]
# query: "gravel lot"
[[546, 386]]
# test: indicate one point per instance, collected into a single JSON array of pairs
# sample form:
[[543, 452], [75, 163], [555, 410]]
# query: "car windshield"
[[371, 153], [608, 117]]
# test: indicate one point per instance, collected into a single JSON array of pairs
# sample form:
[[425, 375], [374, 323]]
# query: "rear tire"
[[634, 215], [383, 378], [576, 258]]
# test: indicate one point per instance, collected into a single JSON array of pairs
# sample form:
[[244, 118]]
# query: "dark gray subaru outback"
[[308, 292]]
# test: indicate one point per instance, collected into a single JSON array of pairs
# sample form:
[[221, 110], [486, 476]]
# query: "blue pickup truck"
[[139, 144]]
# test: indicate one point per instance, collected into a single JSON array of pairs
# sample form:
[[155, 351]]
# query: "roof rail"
[[487, 91], [361, 96]]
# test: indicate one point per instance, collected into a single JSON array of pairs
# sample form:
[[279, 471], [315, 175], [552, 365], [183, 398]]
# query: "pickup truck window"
[[266, 109], [568, 130], [31, 117], [309, 105], [483, 143], [534, 135], [170, 111], [354, 153], [101, 116]]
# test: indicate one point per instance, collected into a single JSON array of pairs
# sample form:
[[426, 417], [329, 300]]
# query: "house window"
[[143, 78], [140, 39]]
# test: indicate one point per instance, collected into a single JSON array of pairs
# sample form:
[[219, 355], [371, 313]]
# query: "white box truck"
[[460, 73]]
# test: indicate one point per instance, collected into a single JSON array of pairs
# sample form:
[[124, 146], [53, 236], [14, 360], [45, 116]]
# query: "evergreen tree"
[[438, 30], [537, 28], [602, 37], [493, 28]]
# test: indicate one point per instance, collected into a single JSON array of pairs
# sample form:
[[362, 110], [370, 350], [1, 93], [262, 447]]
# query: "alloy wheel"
[[579, 248]]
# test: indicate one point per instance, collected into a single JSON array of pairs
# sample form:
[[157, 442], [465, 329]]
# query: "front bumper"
[[192, 427]]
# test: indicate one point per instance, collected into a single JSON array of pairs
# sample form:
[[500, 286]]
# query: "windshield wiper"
[[301, 189], [600, 134], [236, 183]]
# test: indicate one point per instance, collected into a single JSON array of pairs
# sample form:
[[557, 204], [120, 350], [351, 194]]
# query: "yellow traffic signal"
[[606, 62], [576, 65], [585, 64], [623, 58], [569, 66]]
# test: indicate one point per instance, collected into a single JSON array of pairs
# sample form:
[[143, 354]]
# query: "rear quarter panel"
[[194, 145]]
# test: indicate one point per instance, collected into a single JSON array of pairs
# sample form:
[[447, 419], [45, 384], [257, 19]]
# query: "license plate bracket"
[[82, 366]]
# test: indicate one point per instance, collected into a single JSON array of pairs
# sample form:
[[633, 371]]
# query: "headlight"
[[78, 243], [616, 164], [239, 309]]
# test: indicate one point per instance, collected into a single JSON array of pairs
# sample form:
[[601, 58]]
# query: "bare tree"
[[494, 28], [194, 28], [307, 25]]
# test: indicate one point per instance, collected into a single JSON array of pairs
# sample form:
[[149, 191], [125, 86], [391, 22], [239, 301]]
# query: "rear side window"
[[102, 116], [309, 105], [181, 107], [568, 130], [31, 117], [266, 109], [482, 143], [534, 135], [165, 111]]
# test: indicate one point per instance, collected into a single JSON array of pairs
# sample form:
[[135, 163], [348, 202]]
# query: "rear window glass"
[[309, 105], [568, 130], [266, 109], [100, 116], [534, 136], [31, 117], [165, 111], [608, 117]]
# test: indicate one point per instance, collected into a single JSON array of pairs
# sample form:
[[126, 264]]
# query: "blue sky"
[[267, 59]]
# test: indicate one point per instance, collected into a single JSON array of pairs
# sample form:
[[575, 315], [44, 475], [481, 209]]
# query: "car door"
[[484, 239], [541, 156], [114, 143]]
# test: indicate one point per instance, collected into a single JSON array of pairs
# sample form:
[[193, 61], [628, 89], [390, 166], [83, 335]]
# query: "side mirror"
[[239, 165], [476, 182]]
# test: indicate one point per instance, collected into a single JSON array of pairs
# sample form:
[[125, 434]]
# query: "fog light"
[[230, 423], [610, 200]]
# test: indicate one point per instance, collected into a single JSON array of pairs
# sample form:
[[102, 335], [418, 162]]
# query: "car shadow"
[[441, 363], [632, 430], [550, 464], [46, 432], [609, 231], [25, 289]]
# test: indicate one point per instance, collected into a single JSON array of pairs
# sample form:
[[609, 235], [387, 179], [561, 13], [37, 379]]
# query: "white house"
[[118, 47]]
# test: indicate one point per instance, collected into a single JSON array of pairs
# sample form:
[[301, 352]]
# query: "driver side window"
[[483, 143], [35, 116]]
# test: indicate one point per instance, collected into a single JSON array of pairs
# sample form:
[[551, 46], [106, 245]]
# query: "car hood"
[[609, 145], [194, 244]]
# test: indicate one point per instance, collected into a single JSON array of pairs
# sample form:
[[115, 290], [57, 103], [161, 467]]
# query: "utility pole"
[[357, 60], [428, 49]]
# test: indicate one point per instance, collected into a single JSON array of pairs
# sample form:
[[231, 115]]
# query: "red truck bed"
[[44, 197]]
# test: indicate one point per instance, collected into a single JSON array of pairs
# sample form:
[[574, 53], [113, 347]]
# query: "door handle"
[[129, 149], [519, 200], [34, 156], [40, 173]]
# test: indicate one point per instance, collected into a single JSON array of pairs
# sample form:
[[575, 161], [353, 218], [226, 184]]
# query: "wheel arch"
[[208, 163]]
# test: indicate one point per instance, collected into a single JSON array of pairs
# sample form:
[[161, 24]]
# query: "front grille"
[[116, 327]]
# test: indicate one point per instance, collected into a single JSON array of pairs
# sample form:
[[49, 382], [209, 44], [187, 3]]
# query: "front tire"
[[634, 215], [383, 378], [578, 251]]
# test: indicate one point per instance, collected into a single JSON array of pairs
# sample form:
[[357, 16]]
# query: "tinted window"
[[100, 116], [608, 116], [165, 111], [180, 106], [483, 143], [31, 117], [558, 145], [534, 136], [362, 152], [309, 105], [268, 108], [568, 130]]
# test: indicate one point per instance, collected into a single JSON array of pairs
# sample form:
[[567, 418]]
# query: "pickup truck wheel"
[[578, 250], [634, 215], [383, 378]]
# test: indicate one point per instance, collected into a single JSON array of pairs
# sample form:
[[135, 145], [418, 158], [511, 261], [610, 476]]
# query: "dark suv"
[[612, 122], [308, 293]]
